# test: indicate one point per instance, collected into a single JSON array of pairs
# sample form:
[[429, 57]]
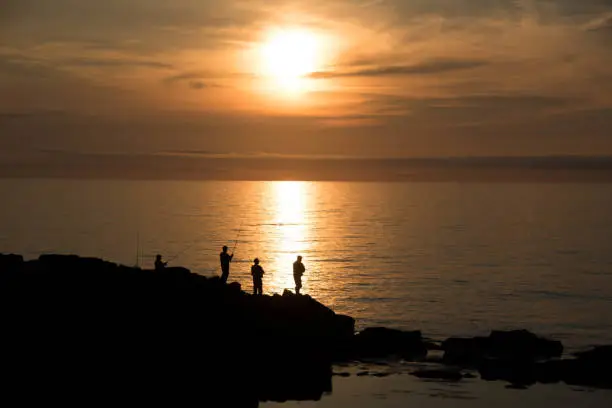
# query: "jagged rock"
[[10, 262], [549, 372], [518, 372], [591, 368], [153, 330], [522, 344], [599, 355], [430, 345], [235, 287], [516, 344], [464, 351], [169, 332]]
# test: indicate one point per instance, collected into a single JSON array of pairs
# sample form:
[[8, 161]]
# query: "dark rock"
[[591, 368], [376, 342], [521, 372], [549, 372], [599, 355], [516, 344], [449, 375], [430, 345], [235, 287], [522, 344], [159, 334], [10, 262], [464, 351], [175, 335]]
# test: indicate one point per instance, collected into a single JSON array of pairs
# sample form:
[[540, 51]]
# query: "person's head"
[[224, 248], [158, 257], [300, 258], [256, 261]]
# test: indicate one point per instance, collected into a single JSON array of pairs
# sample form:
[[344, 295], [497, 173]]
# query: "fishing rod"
[[138, 249], [238, 236], [175, 257]]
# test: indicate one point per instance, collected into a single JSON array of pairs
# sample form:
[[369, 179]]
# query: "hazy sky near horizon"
[[324, 77]]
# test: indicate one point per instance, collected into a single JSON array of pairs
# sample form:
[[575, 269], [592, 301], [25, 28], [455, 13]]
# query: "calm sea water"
[[446, 258]]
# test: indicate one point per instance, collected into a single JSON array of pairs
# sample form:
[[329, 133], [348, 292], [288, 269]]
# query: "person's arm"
[[231, 256]]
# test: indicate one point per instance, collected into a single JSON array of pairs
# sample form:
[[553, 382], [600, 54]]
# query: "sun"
[[288, 56]]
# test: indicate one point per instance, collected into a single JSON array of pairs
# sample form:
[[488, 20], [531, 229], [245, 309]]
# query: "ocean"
[[446, 258]]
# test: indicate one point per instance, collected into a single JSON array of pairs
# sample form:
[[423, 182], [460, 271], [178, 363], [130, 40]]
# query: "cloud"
[[425, 68], [197, 85], [194, 80], [187, 76], [427, 75], [464, 110], [601, 23], [115, 63]]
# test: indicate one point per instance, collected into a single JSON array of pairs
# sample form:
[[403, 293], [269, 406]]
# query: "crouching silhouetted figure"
[[159, 264], [298, 271], [257, 272]]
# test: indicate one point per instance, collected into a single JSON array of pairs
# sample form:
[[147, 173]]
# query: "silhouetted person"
[[225, 264], [298, 271], [257, 272], [159, 264]]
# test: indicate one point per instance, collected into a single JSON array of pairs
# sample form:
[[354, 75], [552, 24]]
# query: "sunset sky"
[[373, 78]]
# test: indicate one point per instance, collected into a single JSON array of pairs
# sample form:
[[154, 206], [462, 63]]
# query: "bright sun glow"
[[288, 56]]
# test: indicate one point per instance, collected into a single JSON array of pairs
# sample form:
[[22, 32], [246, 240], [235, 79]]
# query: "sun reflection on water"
[[291, 232]]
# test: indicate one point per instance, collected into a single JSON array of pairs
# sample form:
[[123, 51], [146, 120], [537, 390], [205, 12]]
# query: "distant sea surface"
[[445, 258]]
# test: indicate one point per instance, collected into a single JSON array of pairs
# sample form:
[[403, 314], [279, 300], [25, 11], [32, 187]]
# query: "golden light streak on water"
[[289, 212]]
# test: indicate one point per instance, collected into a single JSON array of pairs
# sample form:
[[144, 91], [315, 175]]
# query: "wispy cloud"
[[601, 23], [194, 80], [425, 68], [115, 63]]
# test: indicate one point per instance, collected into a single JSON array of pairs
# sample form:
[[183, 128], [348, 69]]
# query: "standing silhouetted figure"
[[298, 271], [159, 264], [225, 264], [257, 272]]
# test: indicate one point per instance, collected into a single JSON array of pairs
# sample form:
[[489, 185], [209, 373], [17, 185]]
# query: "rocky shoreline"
[[77, 329]]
